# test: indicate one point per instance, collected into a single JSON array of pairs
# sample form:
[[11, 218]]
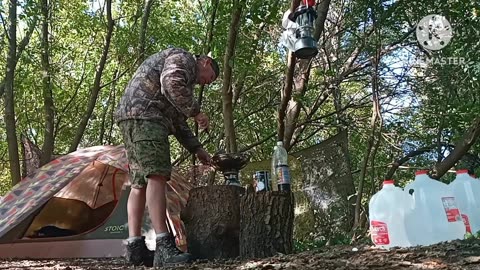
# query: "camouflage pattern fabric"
[[162, 90], [147, 150]]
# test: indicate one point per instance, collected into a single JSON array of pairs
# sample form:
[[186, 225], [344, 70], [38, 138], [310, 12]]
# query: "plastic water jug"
[[467, 194], [435, 217], [387, 212]]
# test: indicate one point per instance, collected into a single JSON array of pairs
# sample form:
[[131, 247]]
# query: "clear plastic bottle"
[[280, 170]]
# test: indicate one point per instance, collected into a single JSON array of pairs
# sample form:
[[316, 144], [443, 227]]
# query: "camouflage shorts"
[[147, 148]]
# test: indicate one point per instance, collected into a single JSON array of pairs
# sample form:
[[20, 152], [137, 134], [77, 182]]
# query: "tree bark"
[[288, 113], [285, 97], [227, 95], [266, 224], [461, 148], [96, 84], [212, 221], [143, 30], [31, 156], [48, 106], [12, 141]]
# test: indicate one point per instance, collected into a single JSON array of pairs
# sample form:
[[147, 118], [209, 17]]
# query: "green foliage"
[[472, 235]]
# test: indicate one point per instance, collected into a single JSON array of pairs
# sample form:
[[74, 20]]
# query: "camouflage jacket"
[[162, 89]]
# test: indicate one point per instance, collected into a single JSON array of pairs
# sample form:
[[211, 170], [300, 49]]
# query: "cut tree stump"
[[266, 224], [212, 221]]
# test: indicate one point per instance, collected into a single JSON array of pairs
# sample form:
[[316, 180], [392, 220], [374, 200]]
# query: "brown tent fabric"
[[107, 182], [75, 190]]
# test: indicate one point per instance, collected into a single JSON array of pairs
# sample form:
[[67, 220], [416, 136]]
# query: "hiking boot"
[[167, 253], [138, 253]]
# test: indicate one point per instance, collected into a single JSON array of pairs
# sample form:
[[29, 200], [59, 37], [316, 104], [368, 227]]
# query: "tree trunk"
[[49, 111], [212, 221], [31, 156], [206, 49], [286, 91], [230, 138], [285, 97], [96, 84], [9, 96], [143, 30], [376, 117], [288, 113], [266, 224]]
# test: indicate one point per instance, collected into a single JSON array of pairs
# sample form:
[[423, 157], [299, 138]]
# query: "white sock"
[[160, 235], [133, 239]]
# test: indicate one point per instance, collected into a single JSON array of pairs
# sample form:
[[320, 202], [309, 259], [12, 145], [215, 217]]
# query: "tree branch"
[[227, 95], [461, 148], [420, 151], [96, 84], [21, 47], [246, 148]]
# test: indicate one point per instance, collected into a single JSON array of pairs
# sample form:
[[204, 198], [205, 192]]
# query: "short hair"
[[213, 62]]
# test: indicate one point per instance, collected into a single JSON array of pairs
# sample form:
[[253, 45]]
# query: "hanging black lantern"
[[305, 46]]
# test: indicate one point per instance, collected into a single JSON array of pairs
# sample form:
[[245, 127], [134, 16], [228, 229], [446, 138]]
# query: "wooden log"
[[212, 221], [266, 224]]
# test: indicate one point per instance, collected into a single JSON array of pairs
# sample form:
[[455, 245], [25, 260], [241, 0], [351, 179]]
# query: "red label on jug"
[[467, 223], [379, 233], [453, 214]]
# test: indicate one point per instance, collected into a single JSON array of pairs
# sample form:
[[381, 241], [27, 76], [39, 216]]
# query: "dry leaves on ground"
[[452, 255]]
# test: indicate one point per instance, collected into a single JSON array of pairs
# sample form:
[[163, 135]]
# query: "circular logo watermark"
[[434, 32]]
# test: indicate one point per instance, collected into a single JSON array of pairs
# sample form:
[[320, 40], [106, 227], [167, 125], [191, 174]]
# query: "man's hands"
[[203, 124], [202, 120], [203, 156]]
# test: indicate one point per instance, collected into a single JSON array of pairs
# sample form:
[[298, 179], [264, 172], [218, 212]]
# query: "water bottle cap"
[[280, 143], [462, 171], [388, 182], [421, 172]]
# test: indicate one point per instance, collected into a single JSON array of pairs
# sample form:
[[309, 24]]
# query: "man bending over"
[[156, 103]]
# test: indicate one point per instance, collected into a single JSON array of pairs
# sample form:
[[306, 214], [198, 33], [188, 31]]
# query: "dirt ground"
[[453, 255]]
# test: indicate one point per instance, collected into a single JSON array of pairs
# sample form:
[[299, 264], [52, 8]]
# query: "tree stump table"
[[212, 221], [266, 223]]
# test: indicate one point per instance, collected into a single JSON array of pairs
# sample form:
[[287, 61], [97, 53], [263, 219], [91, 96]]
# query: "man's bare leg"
[[137, 252], [157, 203], [166, 251], [135, 210]]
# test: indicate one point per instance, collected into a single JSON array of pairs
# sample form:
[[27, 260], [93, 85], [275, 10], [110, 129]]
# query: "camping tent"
[[82, 195]]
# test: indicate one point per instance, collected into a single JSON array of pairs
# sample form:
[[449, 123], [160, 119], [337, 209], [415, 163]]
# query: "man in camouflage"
[[157, 102]]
